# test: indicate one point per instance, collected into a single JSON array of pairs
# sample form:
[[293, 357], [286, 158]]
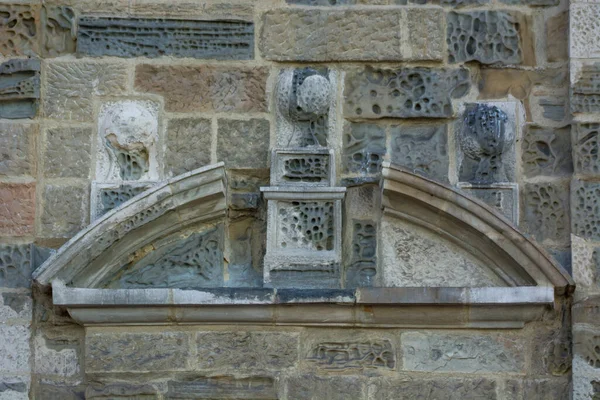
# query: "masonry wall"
[[407, 74]]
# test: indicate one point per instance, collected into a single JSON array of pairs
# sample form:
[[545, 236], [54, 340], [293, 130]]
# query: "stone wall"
[[200, 79]]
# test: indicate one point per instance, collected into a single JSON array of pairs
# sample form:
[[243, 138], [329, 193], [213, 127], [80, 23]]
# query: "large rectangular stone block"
[[365, 34], [17, 209], [255, 388], [19, 88], [447, 389], [17, 142], [153, 37], [309, 387], [19, 29], [136, 352]]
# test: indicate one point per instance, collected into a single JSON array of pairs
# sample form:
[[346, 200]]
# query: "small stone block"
[[546, 152], [108, 196], [586, 144], [503, 197], [252, 136], [546, 211], [16, 148], [585, 209], [64, 210], [225, 387], [19, 30], [302, 167], [17, 210], [15, 265], [585, 91], [188, 145], [19, 88], [68, 152]]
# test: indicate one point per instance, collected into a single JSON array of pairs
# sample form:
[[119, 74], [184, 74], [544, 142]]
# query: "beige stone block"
[[65, 209], [17, 209], [441, 388], [17, 146]]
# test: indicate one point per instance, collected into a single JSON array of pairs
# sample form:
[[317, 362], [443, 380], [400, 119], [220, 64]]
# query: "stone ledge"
[[432, 307]]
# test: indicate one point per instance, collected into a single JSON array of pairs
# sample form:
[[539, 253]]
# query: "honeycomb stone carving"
[[364, 148], [58, 27], [485, 36], [352, 355], [500, 196], [111, 196], [585, 96], [404, 93], [15, 265], [127, 139], [588, 347], [150, 37], [586, 147], [306, 225], [585, 209], [196, 261], [584, 31], [421, 148], [547, 152], [19, 88], [362, 269], [546, 213], [19, 29], [301, 167]]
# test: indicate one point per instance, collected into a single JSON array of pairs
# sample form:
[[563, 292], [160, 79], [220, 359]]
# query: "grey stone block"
[[40, 254], [121, 391], [363, 148], [546, 211], [585, 209], [404, 93], [323, 2], [58, 391], [564, 259], [108, 196], [422, 149], [58, 30], [547, 152], [14, 349], [302, 167], [245, 249], [13, 386], [555, 108], [485, 36], [16, 148], [188, 145], [244, 201], [153, 37], [252, 136], [224, 387], [19, 30], [68, 152], [342, 355], [585, 148], [15, 265], [502, 197], [308, 387], [585, 91], [65, 210], [362, 269], [19, 88], [442, 388]]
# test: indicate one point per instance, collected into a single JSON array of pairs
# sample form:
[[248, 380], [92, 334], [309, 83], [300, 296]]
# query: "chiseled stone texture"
[[545, 210], [16, 148], [121, 391], [367, 34], [546, 151], [14, 388], [557, 43], [136, 352], [404, 93], [17, 209], [58, 30], [14, 349], [243, 144], [19, 29], [65, 210], [15, 265], [585, 209], [313, 387], [585, 30], [500, 196], [363, 148], [19, 88], [585, 89], [59, 391], [246, 351], [188, 145], [586, 145], [206, 88], [469, 353], [14, 306], [223, 387], [56, 352], [68, 152], [72, 86], [421, 148], [445, 388]]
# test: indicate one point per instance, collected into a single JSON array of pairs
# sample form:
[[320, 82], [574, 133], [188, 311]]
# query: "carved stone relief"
[[19, 88], [585, 148], [585, 92], [19, 29], [585, 209], [362, 268], [299, 167], [545, 211], [353, 355], [500, 196], [363, 148], [546, 151], [58, 27], [108, 196]]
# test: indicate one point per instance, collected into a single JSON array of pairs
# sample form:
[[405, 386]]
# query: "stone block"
[[244, 201], [19, 88], [58, 391], [587, 311], [547, 389], [136, 352], [362, 35], [586, 344], [246, 351], [585, 30], [585, 90], [553, 349], [14, 349], [503, 197], [188, 145], [489, 37], [309, 387], [404, 93], [363, 148], [223, 387], [546, 152], [121, 391], [554, 108], [446, 388], [585, 209], [14, 306], [108, 196], [56, 353], [72, 86], [531, 3], [362, 269], [302, 167], [224, 39], [17, 142], [58, 30], [585, 148], [546, 211], [442, 352], [251, 135], [14, 388], [19, 29], [245, 252], [421, 148], [557, 46], [15, 265], [68, 152], [17, 210], [65, 210], [205, 88]]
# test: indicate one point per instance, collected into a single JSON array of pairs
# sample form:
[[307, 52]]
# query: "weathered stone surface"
[[14, 349], [485, 36], [443, 352], [554, 108], [554, 351], [13, 388], [65, 210], [14, 306], [585, 91], [301, 167], [421, 389], [56, 352], [244, 201], [251, 135], [246, 248], [362, 268], [557, 46], [68, 152], [404, 93], [17, 209], [121, 391], [111, 196], [584, 34], [58, 30], [72, 86], [16, 148], [205, 88], [502, 197], [585, 148], [587, 311], [15, 265], [585, 209], [546, 151], [246, 351], [341, 355], [546, 211], [363, 148], [312, 387], [498, 83], [137, 352], [421, 148], [586, 344], [531, 2], [188, 145], [330, 34], [19, 29], [19, 88], [547, 389], [57, 391], [224, 387], [153, 37]]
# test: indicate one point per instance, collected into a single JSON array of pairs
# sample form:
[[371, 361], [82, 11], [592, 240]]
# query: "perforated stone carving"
[[503, 197], [363, 148], [546, 151], [362, 269], [485, 36], [584, 31], [19, 29], [58, 27], [15, 265], [302, 167], [585, 95], [404, 93], [585, 209], [343, 355], [546, 211], [19, 88], [421, 148], [306, 225], [589, 348], [110, 196], [586, 147], [151, 37], [196, 261]]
